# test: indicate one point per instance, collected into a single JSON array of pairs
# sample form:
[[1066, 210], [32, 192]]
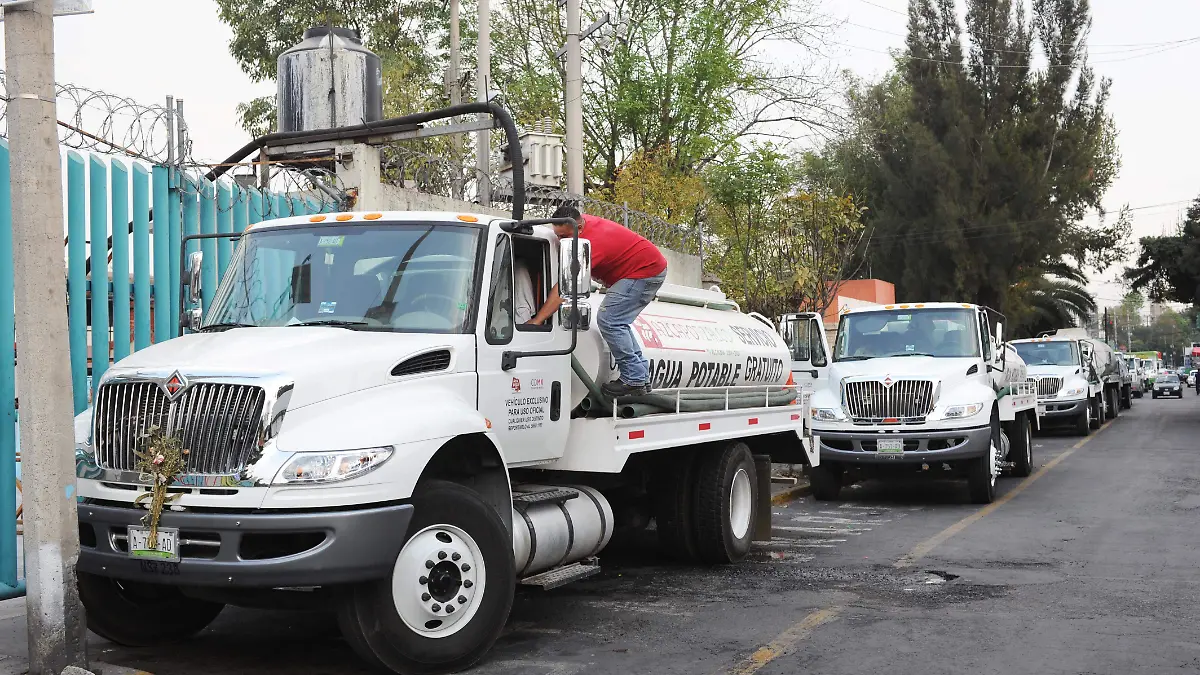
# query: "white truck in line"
[[369, 430], [1078, 378], [922, 388]]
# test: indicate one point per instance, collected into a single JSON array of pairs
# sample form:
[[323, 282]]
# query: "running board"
[[561, 576]]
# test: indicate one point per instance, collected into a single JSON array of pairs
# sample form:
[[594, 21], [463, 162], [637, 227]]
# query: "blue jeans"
[[623, 302]]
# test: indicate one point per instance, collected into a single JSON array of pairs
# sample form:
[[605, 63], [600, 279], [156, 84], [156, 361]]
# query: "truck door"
[[525, 404], [805, 336]]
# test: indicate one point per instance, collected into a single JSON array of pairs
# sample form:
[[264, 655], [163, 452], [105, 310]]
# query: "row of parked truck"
[[370, 431]]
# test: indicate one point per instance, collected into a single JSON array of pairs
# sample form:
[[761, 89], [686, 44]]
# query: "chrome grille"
[[904, 400], [218, 423], [1049, 386]]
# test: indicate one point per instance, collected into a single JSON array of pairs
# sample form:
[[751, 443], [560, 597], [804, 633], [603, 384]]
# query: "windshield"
[[947, 333], [1170, 378], [1048, 353], [412, 278]]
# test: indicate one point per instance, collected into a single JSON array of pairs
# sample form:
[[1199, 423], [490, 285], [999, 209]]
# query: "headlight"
[[826, 414], [964, 410], [1074, 391], [328, 467]]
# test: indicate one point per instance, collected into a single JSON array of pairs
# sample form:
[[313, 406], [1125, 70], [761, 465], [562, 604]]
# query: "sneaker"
[[618, 388]]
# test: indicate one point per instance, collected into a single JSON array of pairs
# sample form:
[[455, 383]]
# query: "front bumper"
[[250, 550], [1052, 410], [943, 445], [1164, 391]]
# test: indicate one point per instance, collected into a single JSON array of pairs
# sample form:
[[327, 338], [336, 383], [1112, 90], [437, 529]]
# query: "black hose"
[[402, 123]]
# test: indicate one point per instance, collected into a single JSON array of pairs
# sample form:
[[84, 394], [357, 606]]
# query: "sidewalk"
[[14, 653]]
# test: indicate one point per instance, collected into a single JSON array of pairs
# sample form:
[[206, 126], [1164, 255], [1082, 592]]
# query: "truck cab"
[[917, 389]]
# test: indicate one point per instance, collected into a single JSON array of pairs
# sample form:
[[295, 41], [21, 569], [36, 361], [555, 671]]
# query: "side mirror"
[[192, 319], [195, 264], [575, 314], [576, 266], [999, 333]]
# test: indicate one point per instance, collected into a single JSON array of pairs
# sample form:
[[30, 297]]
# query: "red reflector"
[[795, 417], [890, 420], [753, 420], [634, 435], [705, 426]]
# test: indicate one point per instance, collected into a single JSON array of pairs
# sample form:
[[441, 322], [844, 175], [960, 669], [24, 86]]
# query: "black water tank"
[[329, 80]]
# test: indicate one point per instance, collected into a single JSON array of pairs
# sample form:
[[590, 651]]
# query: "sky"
[[180, 48]]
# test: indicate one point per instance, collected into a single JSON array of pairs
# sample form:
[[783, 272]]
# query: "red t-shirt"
[[619, 253]]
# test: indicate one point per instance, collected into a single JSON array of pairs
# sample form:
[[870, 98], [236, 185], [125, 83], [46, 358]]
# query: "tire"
[[726, 503], [370, 614], [1112, 404], [1083, 423], [142, 615], [1126, 399], [673, 513], [981, 479], [1098, 411], [826, 481], [1020, 448]]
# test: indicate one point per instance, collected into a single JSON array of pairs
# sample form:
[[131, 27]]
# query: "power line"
[[1122, 50]]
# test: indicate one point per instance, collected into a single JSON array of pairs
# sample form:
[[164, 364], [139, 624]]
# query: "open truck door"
[[804, 334]]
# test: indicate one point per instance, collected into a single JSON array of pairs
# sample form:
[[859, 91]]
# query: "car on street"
[[1191, 378], [1168, 385]]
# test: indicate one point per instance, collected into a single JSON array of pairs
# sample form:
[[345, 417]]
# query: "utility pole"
[[483, 77], [55, 618], [573, 105], [452, 83]]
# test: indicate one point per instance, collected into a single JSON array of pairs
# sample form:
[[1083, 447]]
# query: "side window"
[[985, 336], [817, 350], [795, 334], [500, 298]]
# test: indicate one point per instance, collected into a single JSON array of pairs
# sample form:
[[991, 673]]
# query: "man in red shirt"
[[633, 270]]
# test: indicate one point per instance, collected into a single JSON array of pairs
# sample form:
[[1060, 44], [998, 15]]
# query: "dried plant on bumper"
[[161, 460]]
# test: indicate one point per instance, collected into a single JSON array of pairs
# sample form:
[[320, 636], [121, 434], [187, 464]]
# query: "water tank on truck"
[[691, 338], [329, 80]]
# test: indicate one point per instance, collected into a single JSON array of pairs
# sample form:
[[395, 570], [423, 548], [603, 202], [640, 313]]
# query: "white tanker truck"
[[368, 430]]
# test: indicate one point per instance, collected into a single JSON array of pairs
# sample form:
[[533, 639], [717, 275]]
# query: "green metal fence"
[[124, 225]]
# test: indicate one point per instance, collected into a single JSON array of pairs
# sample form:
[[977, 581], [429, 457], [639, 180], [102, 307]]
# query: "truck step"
[[561, 576], [524, 500]]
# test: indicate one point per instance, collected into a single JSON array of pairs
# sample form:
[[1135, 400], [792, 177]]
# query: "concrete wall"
[[362, 172]]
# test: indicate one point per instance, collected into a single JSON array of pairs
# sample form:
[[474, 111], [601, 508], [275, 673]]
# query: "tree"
[[688, 75], [976, 167], [1168, 267], [780, 244]]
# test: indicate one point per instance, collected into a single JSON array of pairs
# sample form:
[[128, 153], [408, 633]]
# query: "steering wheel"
[[433, 302]]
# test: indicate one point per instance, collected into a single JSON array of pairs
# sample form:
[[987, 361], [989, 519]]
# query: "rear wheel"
[[826, 481], [674, 512], [1020, 449], [449, 593], [142, 615], [726, 503]]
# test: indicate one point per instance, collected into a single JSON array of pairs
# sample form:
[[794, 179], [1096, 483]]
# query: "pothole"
[[939, 577]]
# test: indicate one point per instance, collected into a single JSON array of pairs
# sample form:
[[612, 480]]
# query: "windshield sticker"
[[331, 241], [327, 308], [328, 258], [904, 317]]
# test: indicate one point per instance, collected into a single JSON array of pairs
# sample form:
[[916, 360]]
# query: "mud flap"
[[762, 520], [812, 447]]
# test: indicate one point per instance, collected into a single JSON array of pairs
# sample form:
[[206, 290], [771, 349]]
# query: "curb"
[[791, 494]]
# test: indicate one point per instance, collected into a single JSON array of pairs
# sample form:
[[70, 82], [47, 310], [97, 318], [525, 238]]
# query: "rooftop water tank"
[[329, 80]]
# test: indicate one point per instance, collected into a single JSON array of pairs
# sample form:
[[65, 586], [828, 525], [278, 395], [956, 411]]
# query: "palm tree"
[[1052, 295]]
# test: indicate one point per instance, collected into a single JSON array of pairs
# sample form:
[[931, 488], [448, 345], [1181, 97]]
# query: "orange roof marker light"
[[343, 217], [919, 306], [890, 307], [373, 216], [316, 219], [467, 218]]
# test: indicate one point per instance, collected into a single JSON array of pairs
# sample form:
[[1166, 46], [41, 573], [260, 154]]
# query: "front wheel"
[[1112, 404], [142, 615], [449, 593], [1083, 423], [826, 481], [1098, 411]]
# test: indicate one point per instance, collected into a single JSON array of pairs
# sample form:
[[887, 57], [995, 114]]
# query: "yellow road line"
[[786, 641], [922, 549]]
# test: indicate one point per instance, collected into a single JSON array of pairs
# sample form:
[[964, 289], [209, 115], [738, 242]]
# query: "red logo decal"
[[516, 385], [647, 333]]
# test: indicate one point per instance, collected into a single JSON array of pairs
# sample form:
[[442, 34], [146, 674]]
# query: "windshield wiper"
[[909, 354], [856, 358], [218, 327], [341, 323]]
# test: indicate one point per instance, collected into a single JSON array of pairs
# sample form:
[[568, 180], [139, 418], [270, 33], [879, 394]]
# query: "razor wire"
[[415, 169], [97, 121]]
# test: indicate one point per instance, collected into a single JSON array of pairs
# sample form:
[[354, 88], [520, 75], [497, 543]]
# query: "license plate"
[[1041, 410], [890, 445], [166, 548]]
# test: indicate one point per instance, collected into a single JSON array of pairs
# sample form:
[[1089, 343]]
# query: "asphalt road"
[[1088, 567]]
